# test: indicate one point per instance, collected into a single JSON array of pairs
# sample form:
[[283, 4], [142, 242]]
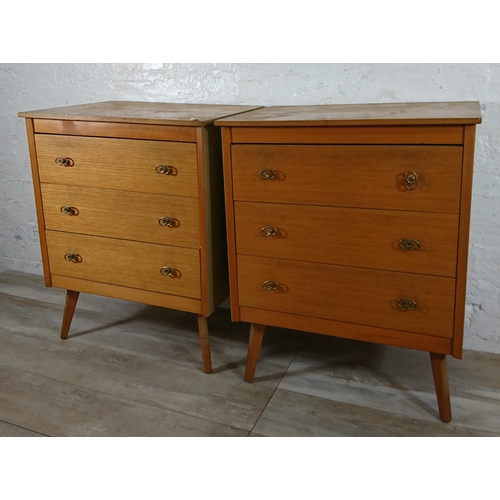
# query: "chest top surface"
[[162, 113], [417, 113]]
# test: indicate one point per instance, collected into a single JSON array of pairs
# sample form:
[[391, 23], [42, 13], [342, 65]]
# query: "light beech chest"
[[352, 221], [129, 204]]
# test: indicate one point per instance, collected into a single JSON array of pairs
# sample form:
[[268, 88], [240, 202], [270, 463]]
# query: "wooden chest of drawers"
[[352, 221], [129, 204]]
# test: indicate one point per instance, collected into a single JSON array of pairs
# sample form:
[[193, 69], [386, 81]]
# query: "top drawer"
[[124, 164], [417, 178]]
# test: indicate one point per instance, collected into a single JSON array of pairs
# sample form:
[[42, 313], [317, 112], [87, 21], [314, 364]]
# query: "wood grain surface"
[[414, 113], [185, 114], [350, 176], [349, 237], [353, 295], [125, 263], [124, 164], [122, 214]]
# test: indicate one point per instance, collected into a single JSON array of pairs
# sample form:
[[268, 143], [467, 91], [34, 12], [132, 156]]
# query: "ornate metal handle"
[[268, 231], [163, 169], [267, 174], [168, 271], [67, 210], [166, 221], [63, 161], [408, 304], [270, 285], [409, 244], [411, 181], [71, 257]]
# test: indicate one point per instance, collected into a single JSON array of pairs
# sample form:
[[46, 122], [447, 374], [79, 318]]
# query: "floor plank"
[[396, 381], [9, 430], [140, 363], [294, 414], [56, 408]]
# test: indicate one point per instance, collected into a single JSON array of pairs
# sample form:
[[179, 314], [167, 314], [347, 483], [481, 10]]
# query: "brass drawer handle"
[[166, 221], [168, 271], [268, 231], [270, 285], [71, 257], [163, 169], [67, 210], [64, 161], [408, 304], [409, 244], [267, 174], [411, 181]]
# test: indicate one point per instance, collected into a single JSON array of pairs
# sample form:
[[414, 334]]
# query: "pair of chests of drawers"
[[363, 234], [122, 211]]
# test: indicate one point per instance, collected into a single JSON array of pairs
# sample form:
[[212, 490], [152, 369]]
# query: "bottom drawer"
[[352, 295], [125, 263]]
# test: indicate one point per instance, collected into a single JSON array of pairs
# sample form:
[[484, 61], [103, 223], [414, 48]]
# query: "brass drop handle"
[[411, 181], [267, 174], [270, 285], [64, 161], [408, 304], [168, 271], [406, 244], [71, 257], [67, 210], [166, 221], [268, 231], [163, 169]]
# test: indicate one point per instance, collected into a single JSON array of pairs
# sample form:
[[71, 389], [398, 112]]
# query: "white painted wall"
[[26, 87]]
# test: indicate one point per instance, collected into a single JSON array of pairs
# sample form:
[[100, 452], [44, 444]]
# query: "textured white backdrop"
[[26, 87]]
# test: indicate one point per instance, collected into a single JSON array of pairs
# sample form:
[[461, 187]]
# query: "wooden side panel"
[[348, 294], [350, 237], [38, 201], [463, 241], [214, 270], [125, 263], [118, 130], [350, 176], [133, 294], [122, 164], [349, 135], [206, 275], [346, 330], [230, 222], [124, 215]]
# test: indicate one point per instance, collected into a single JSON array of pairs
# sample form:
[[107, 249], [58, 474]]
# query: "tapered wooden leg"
[[204, 344], [440, 373], [254, 343], [69, 309]]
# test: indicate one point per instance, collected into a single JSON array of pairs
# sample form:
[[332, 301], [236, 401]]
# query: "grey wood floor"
[[129, 369]]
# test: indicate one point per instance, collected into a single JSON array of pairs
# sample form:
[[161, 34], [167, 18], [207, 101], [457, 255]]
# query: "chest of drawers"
[[129, 204], [352, 221]]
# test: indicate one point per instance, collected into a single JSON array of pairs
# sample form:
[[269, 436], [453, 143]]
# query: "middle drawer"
[[153, 218], [417, 242]]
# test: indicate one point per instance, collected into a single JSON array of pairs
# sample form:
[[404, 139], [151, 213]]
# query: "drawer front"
[[424, 243], [153, 218], [350, 176], [124, 164], [125, 263], [361, 296]]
